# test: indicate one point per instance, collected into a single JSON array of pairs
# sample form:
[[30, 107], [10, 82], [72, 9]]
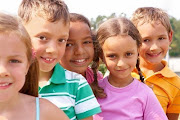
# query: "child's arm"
[[173, 116], [174, 108], [48, 111]]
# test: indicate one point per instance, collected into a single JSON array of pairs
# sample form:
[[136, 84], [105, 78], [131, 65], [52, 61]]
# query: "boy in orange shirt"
[[156, 32]]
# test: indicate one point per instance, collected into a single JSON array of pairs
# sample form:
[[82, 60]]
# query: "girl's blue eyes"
[[14, 61]]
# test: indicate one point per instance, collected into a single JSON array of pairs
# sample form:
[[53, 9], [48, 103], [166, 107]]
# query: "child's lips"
[[153, 54], [4, 85], [48, 59], [122, 70]]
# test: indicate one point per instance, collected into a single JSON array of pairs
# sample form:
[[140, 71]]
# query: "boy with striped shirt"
[[47, 22]]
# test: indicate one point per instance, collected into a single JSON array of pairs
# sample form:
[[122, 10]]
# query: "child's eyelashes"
[[45, 38], [87, 42], [129, 54], [146, 40], [111, 56], [69, 44], [42, 38], [161, 38], [62, 40], [15, 61]]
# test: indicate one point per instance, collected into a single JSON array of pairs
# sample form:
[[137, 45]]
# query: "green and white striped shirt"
[[70, 92]]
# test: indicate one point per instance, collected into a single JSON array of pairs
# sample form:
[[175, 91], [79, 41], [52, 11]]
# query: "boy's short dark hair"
[[51, 10]]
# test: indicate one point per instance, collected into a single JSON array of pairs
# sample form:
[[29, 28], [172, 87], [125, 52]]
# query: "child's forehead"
[[48, 18], [153, 23]]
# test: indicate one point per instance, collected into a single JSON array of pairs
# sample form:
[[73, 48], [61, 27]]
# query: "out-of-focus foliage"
[[100, 19], [175, 46]]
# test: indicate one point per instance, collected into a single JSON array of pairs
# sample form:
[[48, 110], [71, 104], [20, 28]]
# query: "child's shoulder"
[[49, 111]]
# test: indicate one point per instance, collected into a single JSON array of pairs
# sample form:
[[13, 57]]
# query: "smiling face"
[[48, 40], [79, 49], [155, 42], [120, 56], [13, 65]]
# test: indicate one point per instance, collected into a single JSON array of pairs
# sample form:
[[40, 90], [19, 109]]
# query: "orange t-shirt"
[[166, 86]]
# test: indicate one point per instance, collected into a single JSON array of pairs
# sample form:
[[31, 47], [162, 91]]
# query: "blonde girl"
[[19, 76]]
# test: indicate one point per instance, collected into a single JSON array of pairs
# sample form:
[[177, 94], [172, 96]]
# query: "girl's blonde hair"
[[11, 24], [114, 27]]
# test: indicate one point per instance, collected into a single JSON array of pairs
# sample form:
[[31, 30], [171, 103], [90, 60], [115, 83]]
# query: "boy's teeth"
[[5, 84]]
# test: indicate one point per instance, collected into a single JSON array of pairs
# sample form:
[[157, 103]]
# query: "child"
[[156, 31], [19, 76], [121, 96], [47, 22], [80, 50]]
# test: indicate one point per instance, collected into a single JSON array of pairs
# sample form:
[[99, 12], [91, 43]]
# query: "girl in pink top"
[[80, 50], [120, 96]]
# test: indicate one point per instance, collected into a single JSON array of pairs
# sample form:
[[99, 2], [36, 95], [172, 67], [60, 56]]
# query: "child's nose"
[[52, 47], [154, 46], [79, 50], [3, 71], [120, 62]]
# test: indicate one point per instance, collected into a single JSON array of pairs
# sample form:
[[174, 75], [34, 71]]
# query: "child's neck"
[[83, 74], [44, 77], [118, 82], [150, 69]]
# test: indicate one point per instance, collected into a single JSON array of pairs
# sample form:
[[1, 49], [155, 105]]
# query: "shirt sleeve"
[[153, 109], [175, 106], [86, 104]]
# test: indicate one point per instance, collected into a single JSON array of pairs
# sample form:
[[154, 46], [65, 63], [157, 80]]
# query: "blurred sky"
[[93, 8]]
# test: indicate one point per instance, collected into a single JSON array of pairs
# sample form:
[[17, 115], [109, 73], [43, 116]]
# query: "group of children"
[[53, 54]]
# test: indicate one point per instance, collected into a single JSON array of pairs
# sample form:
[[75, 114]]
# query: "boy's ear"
[[170, 37]]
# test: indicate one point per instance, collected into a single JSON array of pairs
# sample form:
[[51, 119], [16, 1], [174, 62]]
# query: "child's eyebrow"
[[162, 35], [18, 55], [87, 37], [43, 33], [49, 34]]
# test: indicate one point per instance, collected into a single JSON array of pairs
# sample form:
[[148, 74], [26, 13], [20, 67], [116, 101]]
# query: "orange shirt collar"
[[166, 71]]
